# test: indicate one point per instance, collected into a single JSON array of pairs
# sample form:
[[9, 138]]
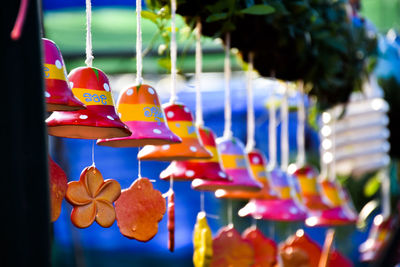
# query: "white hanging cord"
[[385, 191], [227, 71], [272, 132], [139, 166], [301, 120], [230, 216], [89, 50], [173, 51], [199, 63], [93, 164], [332, 165], [202, 201], [251, 143], [139, 64], [285, 130]]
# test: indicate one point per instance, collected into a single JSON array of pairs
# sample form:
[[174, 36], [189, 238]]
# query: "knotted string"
[[173, 52], [250, 106], [227, 74], [89, 50]]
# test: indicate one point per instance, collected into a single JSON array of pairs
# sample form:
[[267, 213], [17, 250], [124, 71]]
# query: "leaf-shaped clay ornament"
[[202, 242]]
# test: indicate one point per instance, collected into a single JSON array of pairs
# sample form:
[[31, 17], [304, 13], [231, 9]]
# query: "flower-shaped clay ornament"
[[58, 188], [139, 209], [265, 249], [92, 198], [230, 249], [202, 242]]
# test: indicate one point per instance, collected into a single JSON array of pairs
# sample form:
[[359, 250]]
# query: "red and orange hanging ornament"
[[58, 92], [92, 87]]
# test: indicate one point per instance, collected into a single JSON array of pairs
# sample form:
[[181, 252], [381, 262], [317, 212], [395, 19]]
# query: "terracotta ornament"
[[265, 249], [207, 169], [180, 121], [58, 188], [171, 221], [92, 199], [235, 164], [229, 249], [300, 250], [202, 242], [139, 108], [139, 209], [285, 208], [257, 163], [58, 93], [99, 119]]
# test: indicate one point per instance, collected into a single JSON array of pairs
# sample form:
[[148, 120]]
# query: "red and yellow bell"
[[58, 93], [180, 121], [235, 164], [207, 169], [139, 108], [99, 119]]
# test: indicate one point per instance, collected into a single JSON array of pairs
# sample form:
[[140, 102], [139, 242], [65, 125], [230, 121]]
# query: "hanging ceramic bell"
[[257, 164], [180, 121], [300, 250], [99, 119], [379, 235], [140, 109], [209, 169], [285, 208], [236, 165], [58, 92], [336, 214]]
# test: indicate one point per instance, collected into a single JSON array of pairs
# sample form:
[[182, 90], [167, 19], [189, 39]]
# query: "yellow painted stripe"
[[140, 112], [184, 129], [233, 161], [258, 172], [93, 97], [308, 186], [54, 73], [333, 196], [284, 192], [213, 151]]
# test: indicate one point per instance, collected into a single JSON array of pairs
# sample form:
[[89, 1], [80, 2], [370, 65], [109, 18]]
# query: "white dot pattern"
[[58, 64], [189, 173], [106, 87], [156, 131], [83, 117], [129, 91], [110, 118]]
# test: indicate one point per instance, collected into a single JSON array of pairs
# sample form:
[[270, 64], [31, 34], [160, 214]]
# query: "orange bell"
[[99, 119], [257, 164], [236, 166], [208, 169], [58, 92], [140, 109], [180, 121]]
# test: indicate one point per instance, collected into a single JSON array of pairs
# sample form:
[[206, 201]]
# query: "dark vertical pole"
[[25, 219]]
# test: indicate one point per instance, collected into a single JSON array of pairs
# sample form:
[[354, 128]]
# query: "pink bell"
[[58, 92], [257, 164], [140, 109], [180, 121], [285, 208], [99, 119], [207, 169], [236, 165]]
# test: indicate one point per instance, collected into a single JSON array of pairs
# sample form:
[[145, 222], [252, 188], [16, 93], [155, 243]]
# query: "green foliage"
[[316, 41]]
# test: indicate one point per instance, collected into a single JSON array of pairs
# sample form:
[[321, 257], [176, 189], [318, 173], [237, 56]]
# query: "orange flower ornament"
[[92, 198]]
